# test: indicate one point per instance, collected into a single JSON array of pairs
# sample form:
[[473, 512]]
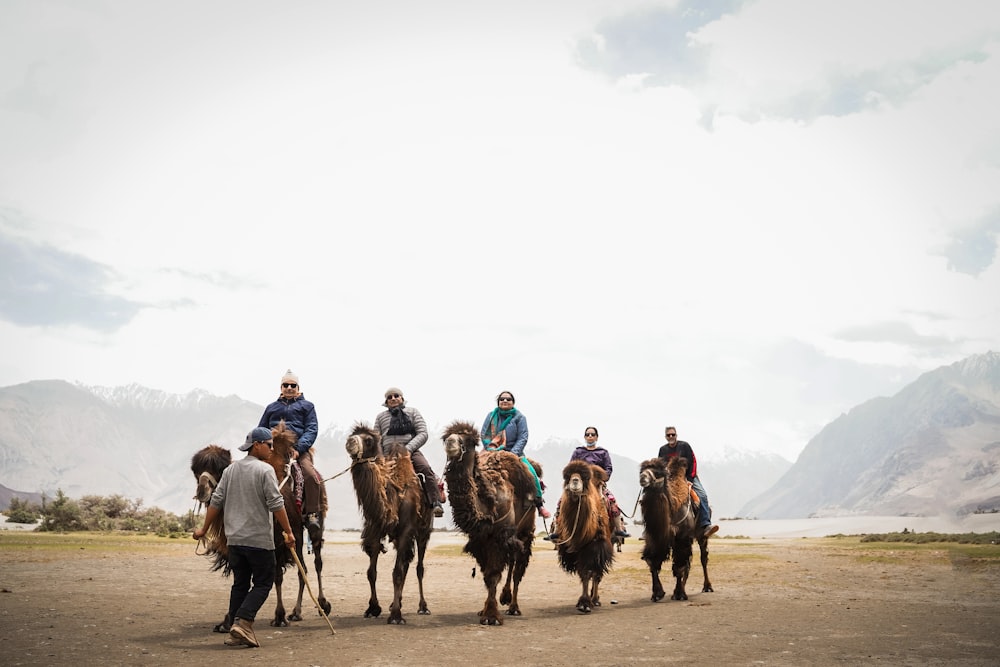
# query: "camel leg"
[[681, 568], [520, 566], [279, 620], [505, 594], [583, 605], [490, 614], [404, 554], [296, 614], [421, 550], [226, 624], [655, 562], [703, 547], [374, 609], [595, 597]]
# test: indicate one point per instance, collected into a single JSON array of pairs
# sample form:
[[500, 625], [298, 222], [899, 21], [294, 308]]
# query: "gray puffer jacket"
[[412, 442]]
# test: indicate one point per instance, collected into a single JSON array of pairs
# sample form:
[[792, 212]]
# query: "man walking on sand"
[[246, 497]]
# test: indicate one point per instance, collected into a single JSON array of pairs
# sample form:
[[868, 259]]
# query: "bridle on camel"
[[370, 459]]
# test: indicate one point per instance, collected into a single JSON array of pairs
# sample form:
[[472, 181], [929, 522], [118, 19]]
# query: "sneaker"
[[710, 530], [544, 513], [551, 537], [242, 631], [622, 533], [438, 510]]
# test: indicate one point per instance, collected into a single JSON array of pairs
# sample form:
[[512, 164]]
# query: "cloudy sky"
[[739, 218]]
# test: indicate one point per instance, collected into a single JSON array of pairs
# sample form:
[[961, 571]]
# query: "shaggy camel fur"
[[584, 527], [394, 506], [492, 501], [207, 466], [670, 518]]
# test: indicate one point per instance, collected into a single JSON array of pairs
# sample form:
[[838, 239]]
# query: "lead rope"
[[576, 522]]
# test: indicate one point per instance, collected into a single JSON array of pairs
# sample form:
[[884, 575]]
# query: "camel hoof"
[[327, 607], [295, 617], [424, 612], [373, 612], [396, 621], [680, 596], [707, 589], [491, 621], [221, 627], [279, 623], [656, 597], [513, 612]]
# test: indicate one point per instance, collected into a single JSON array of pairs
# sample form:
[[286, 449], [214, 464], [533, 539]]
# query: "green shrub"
[[21, 511]]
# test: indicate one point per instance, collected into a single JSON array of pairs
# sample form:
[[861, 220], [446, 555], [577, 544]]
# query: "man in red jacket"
[[675, 447]]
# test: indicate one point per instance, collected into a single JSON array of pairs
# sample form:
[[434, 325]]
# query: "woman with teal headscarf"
[[506, 429]]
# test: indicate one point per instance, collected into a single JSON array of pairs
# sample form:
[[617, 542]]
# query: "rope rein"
[[370, 459], [576, 523]]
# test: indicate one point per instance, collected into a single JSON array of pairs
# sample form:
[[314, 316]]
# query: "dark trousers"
[[422, 467], [249, 564]]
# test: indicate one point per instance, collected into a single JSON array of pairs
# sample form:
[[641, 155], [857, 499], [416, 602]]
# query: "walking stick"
[[302, 572]]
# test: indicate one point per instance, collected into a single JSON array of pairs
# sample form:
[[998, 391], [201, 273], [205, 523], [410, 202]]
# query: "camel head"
[[579, 475], [363, 443], [207, 465], [459, 437], [284, 440], [652, 473]]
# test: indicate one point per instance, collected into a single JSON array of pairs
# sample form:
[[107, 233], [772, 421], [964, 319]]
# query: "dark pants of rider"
[[311, 492], [253, 577], [422, 467]]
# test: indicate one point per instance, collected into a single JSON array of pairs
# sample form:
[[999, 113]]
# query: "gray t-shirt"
[[248, 495]]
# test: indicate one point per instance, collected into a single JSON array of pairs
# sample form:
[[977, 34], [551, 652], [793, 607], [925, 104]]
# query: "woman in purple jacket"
[[601, 458]]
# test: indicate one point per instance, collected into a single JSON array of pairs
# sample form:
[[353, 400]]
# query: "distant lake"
[[854, 525]]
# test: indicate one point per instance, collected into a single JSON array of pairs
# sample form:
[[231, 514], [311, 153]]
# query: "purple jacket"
[[597, 456]]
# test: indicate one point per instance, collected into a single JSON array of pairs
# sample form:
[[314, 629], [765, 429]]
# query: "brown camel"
[[492, 501], [394, 506], [207, 465], [584, 528], [670, 524]]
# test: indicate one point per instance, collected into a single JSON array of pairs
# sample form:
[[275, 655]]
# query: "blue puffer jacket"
[[299, 415]]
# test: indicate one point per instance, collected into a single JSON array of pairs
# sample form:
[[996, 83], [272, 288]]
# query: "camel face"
[[363, 443], [206, 486], [575, 484], [647, 478], [454, 446]]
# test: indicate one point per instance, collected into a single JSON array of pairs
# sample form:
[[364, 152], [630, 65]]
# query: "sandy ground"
[[801, 601]]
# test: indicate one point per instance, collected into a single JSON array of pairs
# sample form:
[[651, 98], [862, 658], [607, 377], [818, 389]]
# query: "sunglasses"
[[505, 398], [588, 435], [289, 385], [392, 396], [671, 435]]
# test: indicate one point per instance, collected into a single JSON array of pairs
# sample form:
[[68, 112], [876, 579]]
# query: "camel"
[[584, 526], [392, 500], [670, 519], [207, 465], [492, 501]]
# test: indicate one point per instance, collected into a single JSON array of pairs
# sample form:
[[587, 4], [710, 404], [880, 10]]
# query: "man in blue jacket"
[[300, 416]]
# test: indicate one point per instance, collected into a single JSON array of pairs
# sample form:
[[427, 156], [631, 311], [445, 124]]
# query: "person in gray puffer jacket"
[[402, 425]]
